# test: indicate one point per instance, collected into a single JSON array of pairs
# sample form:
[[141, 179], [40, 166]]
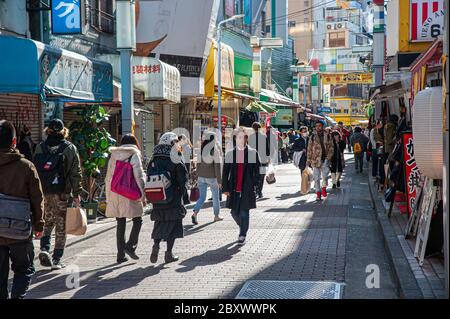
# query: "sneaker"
[[218, 218], [57, 264], [338, 184], [324, 192], [194, 219], [241, 240], [319, 196], [45, 259]]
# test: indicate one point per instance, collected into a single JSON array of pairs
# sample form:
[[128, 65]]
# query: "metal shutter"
[[23, 109]]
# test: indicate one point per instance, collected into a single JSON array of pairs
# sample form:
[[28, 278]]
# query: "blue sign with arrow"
[[66, 17]]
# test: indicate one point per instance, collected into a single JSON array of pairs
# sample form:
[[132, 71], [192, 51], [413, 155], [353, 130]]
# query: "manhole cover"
[[269, 289]]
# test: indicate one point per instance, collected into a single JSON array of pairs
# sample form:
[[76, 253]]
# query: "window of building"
[[291, 24], [346, 111], [102, 15], [359, 40], [336, 39]]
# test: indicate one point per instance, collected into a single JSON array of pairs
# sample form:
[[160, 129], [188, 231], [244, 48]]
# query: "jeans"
[[134, 235], [359, 161], [242, 218], [321, 173], [21, 255], [203, 184]]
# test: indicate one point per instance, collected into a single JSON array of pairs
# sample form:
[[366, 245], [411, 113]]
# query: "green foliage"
[[92, 141]]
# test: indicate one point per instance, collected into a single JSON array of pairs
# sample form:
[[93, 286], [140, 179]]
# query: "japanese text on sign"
[[412, 173], [146, 69]]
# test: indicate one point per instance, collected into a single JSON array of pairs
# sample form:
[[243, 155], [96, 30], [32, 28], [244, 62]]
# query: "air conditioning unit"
[[338, 26], [329, 26]]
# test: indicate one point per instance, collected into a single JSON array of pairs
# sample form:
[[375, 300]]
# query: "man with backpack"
[[58, 164], [359, 142], [21, 203]]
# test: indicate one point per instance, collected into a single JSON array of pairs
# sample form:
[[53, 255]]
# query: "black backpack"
[[50, 166]]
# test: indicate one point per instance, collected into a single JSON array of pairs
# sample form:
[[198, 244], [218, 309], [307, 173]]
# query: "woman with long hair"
[[121, 207], [240, 177], [209, 174], [337, 161]]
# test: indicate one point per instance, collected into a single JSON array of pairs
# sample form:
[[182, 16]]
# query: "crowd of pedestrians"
[[48, 178]]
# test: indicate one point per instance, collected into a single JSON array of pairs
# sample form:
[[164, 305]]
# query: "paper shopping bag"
[[76, 221]]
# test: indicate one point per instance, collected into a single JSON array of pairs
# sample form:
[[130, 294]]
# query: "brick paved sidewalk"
[[291, 237]]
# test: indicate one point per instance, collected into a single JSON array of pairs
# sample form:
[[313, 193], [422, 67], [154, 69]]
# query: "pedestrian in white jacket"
[[121, 207]]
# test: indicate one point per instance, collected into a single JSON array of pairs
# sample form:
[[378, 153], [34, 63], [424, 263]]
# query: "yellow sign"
[[347, 78]]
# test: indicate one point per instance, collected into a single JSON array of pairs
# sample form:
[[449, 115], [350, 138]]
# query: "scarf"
[[167, 151]]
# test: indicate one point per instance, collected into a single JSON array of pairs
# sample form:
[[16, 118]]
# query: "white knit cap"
[[168, 138]]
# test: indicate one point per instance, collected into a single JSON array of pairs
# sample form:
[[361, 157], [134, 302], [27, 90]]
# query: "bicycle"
[[99, 195]]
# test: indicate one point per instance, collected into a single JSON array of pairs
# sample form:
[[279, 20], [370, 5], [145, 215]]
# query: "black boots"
[[169, 257]]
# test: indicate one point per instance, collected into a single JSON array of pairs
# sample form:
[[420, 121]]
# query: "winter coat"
[[301, 144], [338, 155], [360, 138], [179, 177], [250, 178], [118, 206], [72, 168], [314, 155], [210, 167], [19, 178], [389, 137]]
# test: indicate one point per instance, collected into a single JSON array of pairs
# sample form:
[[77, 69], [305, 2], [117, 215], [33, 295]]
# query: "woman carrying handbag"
[[124, 183]]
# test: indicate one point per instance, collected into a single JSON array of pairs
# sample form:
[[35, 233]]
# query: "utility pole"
[[378, 45]]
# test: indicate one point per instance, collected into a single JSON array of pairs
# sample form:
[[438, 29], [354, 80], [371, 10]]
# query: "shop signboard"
[[426, 21], [336, 60], [66, 16], [347, 78], [412, 174], [179, 36], [283, 117]]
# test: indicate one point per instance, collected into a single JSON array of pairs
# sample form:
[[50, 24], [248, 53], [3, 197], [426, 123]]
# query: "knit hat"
[[168, 138]]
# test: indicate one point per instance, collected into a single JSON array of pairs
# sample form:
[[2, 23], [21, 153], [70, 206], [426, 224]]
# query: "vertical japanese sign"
[[412, 174], [66, 17], [247, 12], [426, 19]]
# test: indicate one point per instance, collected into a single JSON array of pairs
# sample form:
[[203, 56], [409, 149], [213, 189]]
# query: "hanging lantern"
[[427, 132]]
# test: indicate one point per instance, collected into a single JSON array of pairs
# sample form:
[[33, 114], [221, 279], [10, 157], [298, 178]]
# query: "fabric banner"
[[412, 174], [348, 78]]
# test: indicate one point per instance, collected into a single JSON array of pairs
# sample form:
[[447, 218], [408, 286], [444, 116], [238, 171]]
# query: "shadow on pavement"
[[192, 229], [210, 257]]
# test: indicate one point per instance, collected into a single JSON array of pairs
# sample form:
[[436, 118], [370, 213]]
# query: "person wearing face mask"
[[300, 148]]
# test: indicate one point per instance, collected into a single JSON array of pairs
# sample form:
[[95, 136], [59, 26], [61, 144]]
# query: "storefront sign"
[[178, 35], [336, 60], [348, 78], [283, 117], [426, 20], [412, 174], [158, 80], [66, 16]]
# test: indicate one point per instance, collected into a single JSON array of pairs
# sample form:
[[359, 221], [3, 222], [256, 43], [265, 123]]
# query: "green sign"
[[284, 117]]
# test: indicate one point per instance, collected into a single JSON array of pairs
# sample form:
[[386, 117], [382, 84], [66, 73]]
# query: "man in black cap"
[[58, 164]]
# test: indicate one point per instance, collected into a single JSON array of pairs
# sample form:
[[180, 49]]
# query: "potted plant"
[[93, 144]]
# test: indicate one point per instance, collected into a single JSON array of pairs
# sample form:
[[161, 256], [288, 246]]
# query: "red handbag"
[[195, 194]]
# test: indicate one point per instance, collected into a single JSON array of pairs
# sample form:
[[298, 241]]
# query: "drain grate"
[[270, 289]]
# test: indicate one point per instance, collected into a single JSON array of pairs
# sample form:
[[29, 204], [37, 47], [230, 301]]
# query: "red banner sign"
[[412, 174]]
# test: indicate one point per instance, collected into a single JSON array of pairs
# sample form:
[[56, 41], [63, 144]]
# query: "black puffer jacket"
[[175, 209]]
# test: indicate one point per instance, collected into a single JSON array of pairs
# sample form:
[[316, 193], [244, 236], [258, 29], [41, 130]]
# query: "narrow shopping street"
[[291, 238]]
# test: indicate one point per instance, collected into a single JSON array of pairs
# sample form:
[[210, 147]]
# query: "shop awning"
[[434, 53], [314, 116], [35, 68], [256, 106], [158, 80], [240, 95]]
